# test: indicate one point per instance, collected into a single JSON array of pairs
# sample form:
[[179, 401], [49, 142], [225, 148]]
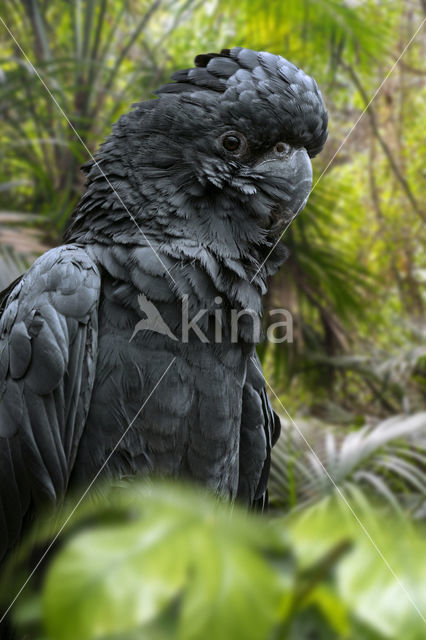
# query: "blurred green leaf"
[[164, 562], [186, 550], [381, 580]]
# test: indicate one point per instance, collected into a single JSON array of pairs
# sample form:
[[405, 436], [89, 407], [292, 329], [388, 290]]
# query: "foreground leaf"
[[184, 555]]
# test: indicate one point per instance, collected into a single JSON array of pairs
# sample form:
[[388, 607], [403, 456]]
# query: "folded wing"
[[48, 348], [260, 429]]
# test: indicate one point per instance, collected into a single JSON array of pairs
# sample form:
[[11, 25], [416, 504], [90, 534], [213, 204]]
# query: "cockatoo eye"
[[234, 142], [282, 148], [231, 143]]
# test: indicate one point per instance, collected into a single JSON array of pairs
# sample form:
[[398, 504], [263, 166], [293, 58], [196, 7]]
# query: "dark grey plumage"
[[71, 377]]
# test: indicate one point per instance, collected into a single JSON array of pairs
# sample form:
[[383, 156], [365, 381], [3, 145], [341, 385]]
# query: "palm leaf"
[[386, 459]]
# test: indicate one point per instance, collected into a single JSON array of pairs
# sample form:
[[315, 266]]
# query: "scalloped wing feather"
[[48, 348]]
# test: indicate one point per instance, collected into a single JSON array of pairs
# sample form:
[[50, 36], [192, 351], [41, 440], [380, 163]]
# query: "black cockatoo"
[[183, 209]]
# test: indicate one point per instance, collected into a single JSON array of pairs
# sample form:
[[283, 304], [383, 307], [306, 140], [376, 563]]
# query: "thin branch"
[[410, 69], [373, 184], [386, 149], [136, 33]]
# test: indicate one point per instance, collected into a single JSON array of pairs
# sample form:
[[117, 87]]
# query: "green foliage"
[[87, 74], [312, 32], [159, 561], [176, 552], [385, 461], [381, 580]]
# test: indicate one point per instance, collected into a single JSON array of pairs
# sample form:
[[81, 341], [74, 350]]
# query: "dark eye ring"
[[234, 142], [282, 148]]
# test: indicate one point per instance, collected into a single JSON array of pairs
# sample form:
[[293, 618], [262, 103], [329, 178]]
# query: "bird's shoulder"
[[65, 277], [42, 315]]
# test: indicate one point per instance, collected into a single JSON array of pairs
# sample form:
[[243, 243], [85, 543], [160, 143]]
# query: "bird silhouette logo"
[[153, 320]]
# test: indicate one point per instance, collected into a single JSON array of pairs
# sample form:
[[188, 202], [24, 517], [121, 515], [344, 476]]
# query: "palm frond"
[[88, 55], [324, 27], [385, 460]]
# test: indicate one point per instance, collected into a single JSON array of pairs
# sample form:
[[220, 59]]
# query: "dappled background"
[[353, 379]]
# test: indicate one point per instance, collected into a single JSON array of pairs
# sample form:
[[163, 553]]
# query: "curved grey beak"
[[288, 181], [299, 169]]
